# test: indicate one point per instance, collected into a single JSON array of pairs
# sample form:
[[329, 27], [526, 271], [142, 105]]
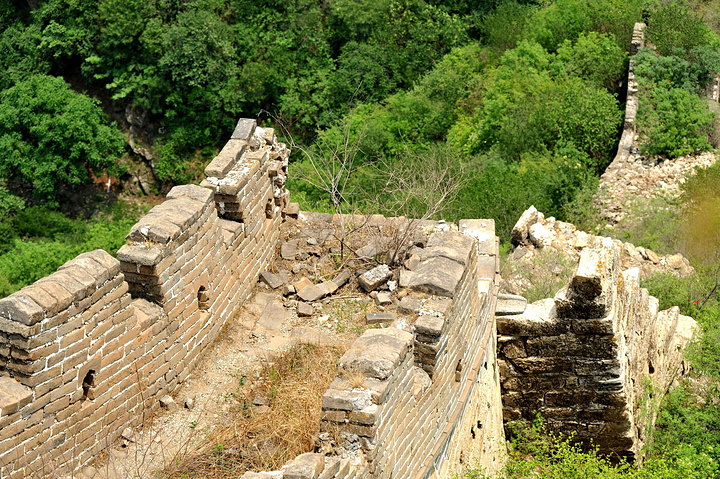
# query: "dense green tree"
[[594, 57], [51, 135]]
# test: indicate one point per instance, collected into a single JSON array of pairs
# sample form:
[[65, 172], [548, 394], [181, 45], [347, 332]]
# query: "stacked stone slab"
[[409, 430], [581, 360], [248, 176], [85, 352]]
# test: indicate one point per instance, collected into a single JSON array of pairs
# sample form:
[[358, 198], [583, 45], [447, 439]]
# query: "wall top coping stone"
[[377, 352], [149, 240], [72, 282]]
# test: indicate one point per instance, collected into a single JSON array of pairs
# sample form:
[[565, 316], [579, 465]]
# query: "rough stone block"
[[540, 236], [375, 318], [521, 230], [539, 319], [371, 280], [429, 325], [13, 396], [153, 227], [439, 276], [305, 310], [341, 279], [140, 253], [308, 292], [244, 129], [289, 250], [272, 280], [257, 475], [377, 352], [409, 304], [510, 304], [482, 230], [20, 307], [305, 466], [194, 192]]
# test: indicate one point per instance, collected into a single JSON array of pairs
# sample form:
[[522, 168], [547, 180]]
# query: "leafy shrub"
[[48, 134], [673, 121], [535, 452], [49, 239], [594, 57], [526, 110], [567, 19]]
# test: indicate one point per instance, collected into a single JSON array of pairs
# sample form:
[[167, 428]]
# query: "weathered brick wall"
[[87, 350], [584, 359], [631, 107], [408, 428]]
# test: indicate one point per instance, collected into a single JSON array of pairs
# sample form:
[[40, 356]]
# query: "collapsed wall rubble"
[[420, 400]]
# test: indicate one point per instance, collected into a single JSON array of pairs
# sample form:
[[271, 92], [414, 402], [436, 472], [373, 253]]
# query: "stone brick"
[[377, 352], [305, 466], [20, 307]]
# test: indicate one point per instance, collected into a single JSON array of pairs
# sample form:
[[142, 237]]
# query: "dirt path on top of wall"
[[266, 325]]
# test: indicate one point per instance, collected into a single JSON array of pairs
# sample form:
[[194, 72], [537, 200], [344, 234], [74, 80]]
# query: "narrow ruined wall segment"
[[408, 424], [584, 359], [88, 350]]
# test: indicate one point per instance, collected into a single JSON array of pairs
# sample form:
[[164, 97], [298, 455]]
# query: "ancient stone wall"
[[587, 359], [86, 351], [421, 401], [627, 138]]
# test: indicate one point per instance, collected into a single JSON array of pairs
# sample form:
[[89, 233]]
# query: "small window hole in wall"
[[458, 371], [203, 298], [651, 368], [269, 208], [88, 385]]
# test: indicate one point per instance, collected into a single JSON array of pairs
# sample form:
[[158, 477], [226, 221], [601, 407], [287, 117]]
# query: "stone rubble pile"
[[640, 177], [534, 235], [429, 328]]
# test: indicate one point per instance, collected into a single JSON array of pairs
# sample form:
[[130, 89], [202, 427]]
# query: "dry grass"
[[261, 437]]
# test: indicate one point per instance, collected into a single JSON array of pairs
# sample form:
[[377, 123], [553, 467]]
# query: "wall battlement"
[[85, 351]]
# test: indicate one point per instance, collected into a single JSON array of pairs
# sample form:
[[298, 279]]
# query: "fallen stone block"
[[305, 466], [271, 279], [368, 252], [341, 279], [521, 230], [540, 236], [289, 250], [305, 310], [383, 299], [167, 402], [309, 293], [327, 287], [409, 305], [377, 276], [375, 318]]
